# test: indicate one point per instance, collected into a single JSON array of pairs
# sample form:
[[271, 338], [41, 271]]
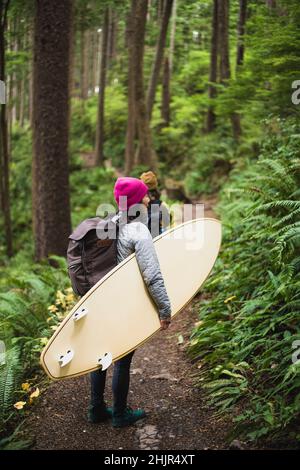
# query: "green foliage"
[[248, 326], [20, 190], [212, 159], [26, 291], [84, 122], [264, 84], [10, 373], [194, 74], [90, 187]]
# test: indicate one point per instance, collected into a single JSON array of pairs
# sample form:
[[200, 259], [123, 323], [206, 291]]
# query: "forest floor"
[[163, 382]]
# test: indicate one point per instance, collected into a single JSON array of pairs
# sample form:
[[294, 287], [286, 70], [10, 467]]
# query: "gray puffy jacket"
[[136, 238]]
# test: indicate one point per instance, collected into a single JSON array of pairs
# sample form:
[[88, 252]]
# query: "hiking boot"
[[99, 414], [128, 417]]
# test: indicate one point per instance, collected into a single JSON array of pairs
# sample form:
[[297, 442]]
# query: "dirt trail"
[[162, 382]]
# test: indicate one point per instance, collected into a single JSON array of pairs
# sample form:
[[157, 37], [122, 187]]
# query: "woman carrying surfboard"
[[134, 237]]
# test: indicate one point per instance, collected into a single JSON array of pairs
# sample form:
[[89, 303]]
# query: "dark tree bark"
[[4, 154], [159, 54], [223, 20], [172, 35], [211, 117], [30, 82], [160, 9], [51, 205], [95, 61], [99, 150], [24, 75], [84, 47], [165, 108], [241, 32], [131, 120], [72, 59], [144, 154], [271, 3], [112, 36]]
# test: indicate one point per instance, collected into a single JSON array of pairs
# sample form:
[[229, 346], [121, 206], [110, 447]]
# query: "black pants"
[[120, 384]]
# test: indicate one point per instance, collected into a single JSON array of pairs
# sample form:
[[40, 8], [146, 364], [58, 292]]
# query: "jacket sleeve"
[[149, 266]]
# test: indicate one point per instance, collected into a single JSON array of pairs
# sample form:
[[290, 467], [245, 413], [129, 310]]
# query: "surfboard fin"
[[105, 361], [81, 312], [64, 359]]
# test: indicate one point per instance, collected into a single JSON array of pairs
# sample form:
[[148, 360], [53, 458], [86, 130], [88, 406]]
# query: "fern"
[[10, 373], [260, 266]]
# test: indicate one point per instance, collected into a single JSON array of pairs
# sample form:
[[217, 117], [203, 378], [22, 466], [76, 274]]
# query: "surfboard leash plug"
[[80, 313], [105, 361], [64, 359]]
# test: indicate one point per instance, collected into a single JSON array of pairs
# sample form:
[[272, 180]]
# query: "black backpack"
[[92, 252]]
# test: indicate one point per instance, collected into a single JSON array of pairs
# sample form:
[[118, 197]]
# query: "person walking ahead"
[[134, 237], [158, 213]]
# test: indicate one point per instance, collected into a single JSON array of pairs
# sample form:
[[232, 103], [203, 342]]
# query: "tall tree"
[[84, 48], [173, 35], [103, 69], [165, 105], [138, 121], [112, 35], [51, 205], [145, 154], [4, 153], [223, 21], [131, 120], [241, 32], [211, 117], [159, 54]]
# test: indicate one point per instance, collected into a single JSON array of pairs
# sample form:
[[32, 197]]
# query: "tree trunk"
[[241, 32], [149, 10], [72, 61], [23, 77], [51, 205], [223, 19], [131, 120], [158, 55], [212, 92], [160, 9], [172, 36], [95, 60], [30, 81], [102, 82], [144, 154], [4, 155], [84, 64], [271, 3], [112, 30], [14, 95], [165, 108]]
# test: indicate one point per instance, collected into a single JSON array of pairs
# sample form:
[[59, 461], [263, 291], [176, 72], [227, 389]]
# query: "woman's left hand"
[[164, 324]]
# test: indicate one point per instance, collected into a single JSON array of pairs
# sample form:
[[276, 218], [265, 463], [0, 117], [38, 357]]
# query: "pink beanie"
[[133, 188]]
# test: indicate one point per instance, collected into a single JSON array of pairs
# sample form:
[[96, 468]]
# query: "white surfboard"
[[117, 315]]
